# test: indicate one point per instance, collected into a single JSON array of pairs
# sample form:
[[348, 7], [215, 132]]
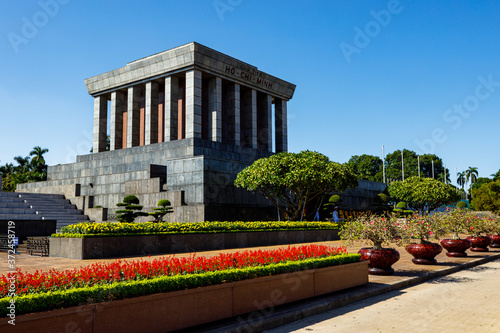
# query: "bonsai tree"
[[163, 208], [379, 230], [131, 211], [334, 201], [421, 228], [291, 181], [423, 194]]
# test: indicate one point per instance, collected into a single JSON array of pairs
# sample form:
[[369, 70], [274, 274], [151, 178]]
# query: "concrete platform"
[[407, 274]]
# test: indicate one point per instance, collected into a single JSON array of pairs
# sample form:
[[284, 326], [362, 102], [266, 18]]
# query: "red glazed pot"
[[480, 244], [380, 260], [424, 253], [456, 247], [495, 241]]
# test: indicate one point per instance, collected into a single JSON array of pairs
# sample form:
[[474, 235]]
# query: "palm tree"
[[6, 169], [24, 164], [37, 154], [496, 176], [471, 174], [461, 179]]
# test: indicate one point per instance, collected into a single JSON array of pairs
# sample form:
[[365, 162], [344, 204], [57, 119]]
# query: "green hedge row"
[[119, 290]]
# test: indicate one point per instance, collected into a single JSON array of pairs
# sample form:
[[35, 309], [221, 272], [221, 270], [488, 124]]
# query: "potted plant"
[[422, 228], [495, 236], [380, 231], [455, 223], [477, 228]]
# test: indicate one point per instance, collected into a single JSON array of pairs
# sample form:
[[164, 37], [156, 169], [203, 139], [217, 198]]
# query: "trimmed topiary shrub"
[[132, 209], [401, 205], [163, 207], [461, 204]]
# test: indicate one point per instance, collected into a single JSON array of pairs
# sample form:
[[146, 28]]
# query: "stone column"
[[215, 109], [100, 123], [265, 122], [251, 118], [171, 107], [193, 104], [151, 113], [118, 106], [232, 110], [280, 120], [133, 115]]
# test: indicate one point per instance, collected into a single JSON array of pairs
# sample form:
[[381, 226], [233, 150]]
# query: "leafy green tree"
[[480, 182], [411, 161], [367, 167], [496, 176], [293, 180], [132, 209], [163, 207], [423, 194], [487, 197]]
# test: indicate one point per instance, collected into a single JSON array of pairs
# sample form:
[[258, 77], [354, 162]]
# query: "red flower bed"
[[104, 273]]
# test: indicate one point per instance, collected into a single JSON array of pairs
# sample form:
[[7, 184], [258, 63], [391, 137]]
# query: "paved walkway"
[[407, 274], [463, 301]]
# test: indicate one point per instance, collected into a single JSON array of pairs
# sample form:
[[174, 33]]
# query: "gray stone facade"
[[183, 123]]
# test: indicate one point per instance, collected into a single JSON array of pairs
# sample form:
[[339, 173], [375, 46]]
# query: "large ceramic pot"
[[456, 247], [480, 243], [424, 253], [380, 260], [495, 241]]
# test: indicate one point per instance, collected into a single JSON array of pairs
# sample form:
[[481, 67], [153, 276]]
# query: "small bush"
[[401, 205], [461, 204]]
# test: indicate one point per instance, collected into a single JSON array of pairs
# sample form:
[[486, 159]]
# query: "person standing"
[[335, 215]]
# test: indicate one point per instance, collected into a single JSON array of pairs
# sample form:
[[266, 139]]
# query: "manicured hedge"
[[91, 229], [119, 290]]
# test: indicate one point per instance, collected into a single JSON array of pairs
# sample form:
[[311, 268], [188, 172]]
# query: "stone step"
[[38, 206], [10, 199], [14, 205], [10, 217], [59, 211], [18, 211], [35, 196], [46, 201], [8, 194], [65, 217]]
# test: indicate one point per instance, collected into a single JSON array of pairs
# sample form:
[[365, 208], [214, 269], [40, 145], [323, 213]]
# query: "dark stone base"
[[26, 228], [119, 247]]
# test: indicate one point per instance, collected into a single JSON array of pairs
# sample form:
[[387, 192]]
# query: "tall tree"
[[461, 179], [291, 181], [496, 176], [423, 194], [367, 167], [24, 164]]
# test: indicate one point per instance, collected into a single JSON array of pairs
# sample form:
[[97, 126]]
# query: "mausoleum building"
[[181, 124]]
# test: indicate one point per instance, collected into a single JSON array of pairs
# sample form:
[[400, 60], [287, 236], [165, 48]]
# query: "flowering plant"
[[477, 225], [106, 273], [379, 230], [454, 222], [422, 227]]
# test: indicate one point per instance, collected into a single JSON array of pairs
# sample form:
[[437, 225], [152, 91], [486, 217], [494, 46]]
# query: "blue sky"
[[419, 75]]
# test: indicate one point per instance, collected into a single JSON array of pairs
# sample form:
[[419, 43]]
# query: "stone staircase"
[[37, 206]]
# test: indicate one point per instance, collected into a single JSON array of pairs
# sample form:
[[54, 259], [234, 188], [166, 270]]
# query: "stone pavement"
[[452, 303], [407, 274]]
